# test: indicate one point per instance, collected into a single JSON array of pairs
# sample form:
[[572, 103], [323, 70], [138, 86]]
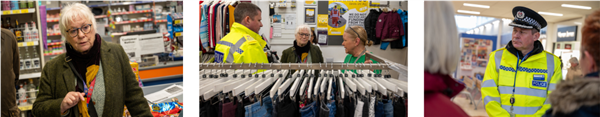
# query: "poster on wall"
[[290, 21], [345, 13], [276, 18], [322, 21], [309, 16], [558, 46], [310, 2], [322, 36], [568, 46]]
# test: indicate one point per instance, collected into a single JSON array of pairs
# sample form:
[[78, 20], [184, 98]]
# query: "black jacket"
[[370, 23]]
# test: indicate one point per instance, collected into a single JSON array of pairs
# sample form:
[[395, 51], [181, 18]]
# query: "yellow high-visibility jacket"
[[533, 78], [241, 45]]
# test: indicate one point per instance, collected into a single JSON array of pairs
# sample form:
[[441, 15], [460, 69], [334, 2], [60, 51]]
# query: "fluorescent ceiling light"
[[465, 11], [549, 13], [576, 6], [578, 23], [476, 5]]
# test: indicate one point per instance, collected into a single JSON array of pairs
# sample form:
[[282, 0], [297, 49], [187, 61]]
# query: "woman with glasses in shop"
[[93, 78], [302, 51]]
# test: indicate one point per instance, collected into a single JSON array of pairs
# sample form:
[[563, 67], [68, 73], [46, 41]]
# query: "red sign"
[[557, 46], [568, 46]]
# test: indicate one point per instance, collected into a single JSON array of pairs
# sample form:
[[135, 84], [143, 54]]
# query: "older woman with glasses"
[[93, 78], [302, 51]]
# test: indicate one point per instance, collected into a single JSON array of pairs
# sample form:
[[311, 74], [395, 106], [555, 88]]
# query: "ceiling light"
[[476, 5], [465, 11], [549, 13], [578, 23], [576, 6]]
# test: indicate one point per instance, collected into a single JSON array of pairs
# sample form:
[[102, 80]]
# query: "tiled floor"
[[464, 103]]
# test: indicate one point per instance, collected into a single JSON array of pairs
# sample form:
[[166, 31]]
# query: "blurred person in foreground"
[[10, 74], [580, 97], [574, 70], [441, 58]]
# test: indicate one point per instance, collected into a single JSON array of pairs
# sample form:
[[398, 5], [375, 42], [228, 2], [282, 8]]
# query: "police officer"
[[520, 76], [243, 44]]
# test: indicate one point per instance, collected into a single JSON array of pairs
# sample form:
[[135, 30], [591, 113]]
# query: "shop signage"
[[567, 33], [345, 13]]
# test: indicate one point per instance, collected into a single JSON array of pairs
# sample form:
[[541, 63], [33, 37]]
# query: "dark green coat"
[[121, 86], [289, 55]]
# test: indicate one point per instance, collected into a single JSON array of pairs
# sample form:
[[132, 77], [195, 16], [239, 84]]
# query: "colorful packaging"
[[136, 70], [166, 109]]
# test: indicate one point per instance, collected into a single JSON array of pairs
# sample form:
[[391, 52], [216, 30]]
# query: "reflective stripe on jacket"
[[241, 45], [533, 79]]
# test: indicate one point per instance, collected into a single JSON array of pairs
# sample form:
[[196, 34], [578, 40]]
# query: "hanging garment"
[[370, 24]]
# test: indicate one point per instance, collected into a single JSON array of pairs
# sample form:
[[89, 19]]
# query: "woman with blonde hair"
[[355, 42]]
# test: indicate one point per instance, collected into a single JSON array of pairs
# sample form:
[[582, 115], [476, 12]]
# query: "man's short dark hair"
[[245, 9]]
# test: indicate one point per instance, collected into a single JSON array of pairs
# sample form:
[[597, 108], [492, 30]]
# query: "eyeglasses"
[[303, 35], [85, 29]]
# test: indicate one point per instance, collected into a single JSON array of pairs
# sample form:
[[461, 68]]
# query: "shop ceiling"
[[503, 9]]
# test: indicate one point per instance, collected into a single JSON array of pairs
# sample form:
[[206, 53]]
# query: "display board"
[[345, 13], [474, 55]]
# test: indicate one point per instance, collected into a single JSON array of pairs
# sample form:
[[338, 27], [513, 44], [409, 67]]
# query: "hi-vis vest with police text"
[[241, 45], [531, 81]]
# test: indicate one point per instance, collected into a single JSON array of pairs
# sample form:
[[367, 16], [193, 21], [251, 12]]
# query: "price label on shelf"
[[20, 44], [30, 43]]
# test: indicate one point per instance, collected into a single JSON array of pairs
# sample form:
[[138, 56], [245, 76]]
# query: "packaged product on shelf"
[[22, 96], [27, 60], [23, 4], [15, 4], [136, 70], [5, 5], [27, 33], [32, 91], [166, 109], [34, 32], [36, 63]]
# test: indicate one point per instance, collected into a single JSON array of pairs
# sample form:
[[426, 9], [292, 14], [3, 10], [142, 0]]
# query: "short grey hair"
[[442, 45], [303, 27], [574, 60], [69, 12]]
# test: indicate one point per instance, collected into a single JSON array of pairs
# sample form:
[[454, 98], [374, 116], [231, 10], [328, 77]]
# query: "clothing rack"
[[383, 64]]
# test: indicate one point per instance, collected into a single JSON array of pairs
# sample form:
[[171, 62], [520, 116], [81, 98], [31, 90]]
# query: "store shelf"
[[113, 4], [53, 34], [136, 21], [25, 108], [20, 11], [171, 69], [160, 21], [52, 54], [100, 16], [132, 12], [132, 32], [30, 75], [30, 43], [54, 43], [54, 20]]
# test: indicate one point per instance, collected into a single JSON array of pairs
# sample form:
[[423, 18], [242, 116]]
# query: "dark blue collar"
[[594, 74]]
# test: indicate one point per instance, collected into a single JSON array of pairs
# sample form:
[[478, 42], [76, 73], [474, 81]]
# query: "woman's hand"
[[70, 100], [369, 61]]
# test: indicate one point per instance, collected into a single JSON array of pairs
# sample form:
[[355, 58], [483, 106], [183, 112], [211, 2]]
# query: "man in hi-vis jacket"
[[520, 76]]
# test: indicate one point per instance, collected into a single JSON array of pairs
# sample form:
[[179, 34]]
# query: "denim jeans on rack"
[[310, 110], [260, 110], [388, 108], [332, 108], [379, 109]]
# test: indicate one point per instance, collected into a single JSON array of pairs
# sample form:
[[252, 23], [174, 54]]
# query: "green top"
[[350, 59]]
